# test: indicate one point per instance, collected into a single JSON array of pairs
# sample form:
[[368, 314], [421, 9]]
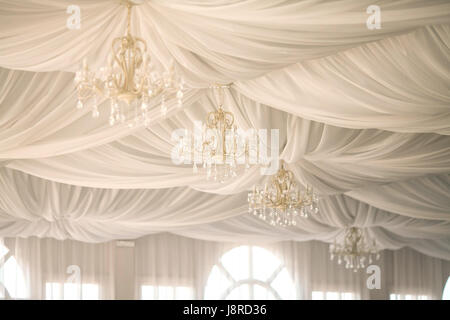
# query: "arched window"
[[446, 293], [249, 272], [12, 281]]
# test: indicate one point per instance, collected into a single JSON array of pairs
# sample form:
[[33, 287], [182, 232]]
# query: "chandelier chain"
[[129, 18], [220, 95]]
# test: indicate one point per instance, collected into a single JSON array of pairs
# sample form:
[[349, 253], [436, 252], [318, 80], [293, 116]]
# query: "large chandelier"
[[129, 81], [218, 147], [281, 202], [354, 250]]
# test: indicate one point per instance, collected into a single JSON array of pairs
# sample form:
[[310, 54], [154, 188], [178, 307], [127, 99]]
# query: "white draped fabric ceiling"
[[363, 115]]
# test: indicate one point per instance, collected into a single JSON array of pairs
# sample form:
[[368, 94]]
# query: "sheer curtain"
[[54, 269], [168, 266], [12, 278], [173, 261], [172, 267], [312, 271], [411, 273]]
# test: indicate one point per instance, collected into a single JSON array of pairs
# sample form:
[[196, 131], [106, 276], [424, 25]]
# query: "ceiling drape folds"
[[222, 39], [362, 115], [397, 84], [31, 206]]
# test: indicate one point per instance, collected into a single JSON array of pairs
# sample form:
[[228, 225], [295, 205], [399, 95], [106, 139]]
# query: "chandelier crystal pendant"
[[220, 147], [354, 250], [281, 202], [129, 81]]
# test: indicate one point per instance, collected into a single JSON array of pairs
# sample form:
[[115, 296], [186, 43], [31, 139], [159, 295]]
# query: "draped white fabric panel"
[[363, 116], [43, 208], [205, 38], [46, 264], [397, 84]]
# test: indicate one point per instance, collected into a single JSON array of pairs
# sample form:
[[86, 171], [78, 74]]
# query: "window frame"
[[251, 281]]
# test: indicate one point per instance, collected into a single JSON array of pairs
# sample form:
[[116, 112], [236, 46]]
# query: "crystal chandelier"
[[281, 202], [219, 146], [129, 81], [354, 250]]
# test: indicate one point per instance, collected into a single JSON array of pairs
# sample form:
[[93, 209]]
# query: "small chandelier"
[[281, 202], [218, 147], [354, 250], [129, 81]]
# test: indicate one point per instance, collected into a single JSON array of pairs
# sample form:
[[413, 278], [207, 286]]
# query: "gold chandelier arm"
[[141, 41], [229, 121], [119, 63], [211, 119], [268, 202], [126, 75], [113, 45], [279, 192]]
